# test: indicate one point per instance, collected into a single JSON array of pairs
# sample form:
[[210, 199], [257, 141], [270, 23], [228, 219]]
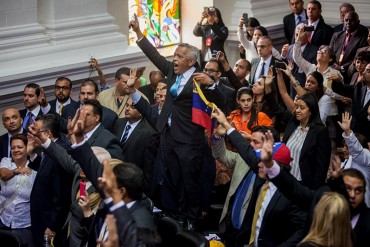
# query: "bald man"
[[12, 122]]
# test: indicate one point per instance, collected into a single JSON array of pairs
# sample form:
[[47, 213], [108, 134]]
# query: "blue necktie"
[[240, 195], [175, 87], [299, 19], [125, 133], [262, 70], [27, 121]]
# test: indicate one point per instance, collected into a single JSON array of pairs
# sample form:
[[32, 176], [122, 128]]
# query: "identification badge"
[[340, 58], [209, 41]]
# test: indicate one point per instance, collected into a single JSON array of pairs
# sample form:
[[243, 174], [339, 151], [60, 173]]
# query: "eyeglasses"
[[58, 88], [322, 52], [209, 70]]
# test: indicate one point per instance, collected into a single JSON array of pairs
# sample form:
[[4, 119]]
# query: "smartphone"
[[245, 16], [211, 10], [214, 54], [309, 29], [280, 65], [82, 189], [205, 9]]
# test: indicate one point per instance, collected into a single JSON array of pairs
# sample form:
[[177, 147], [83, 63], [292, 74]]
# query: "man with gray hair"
[[183, 143]]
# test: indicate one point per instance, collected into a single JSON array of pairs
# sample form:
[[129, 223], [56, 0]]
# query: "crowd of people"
[[288, 159]]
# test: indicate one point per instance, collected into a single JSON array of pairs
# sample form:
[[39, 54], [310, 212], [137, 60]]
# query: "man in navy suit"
[[139, 141], [88, 90], [290, 21], [12, 122], [63, 87], [183, 141], [51, 192], [33, 98]]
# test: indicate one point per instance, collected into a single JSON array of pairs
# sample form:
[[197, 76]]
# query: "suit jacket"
[[289, 26], [309, 53], [50, 196], [141, 147], [228, 96], [182, 129], [280, 211], [216, 33], [148, 91], [315, 154], [53, 105], [72, 168], [322, 34], [357, 41], [108, 119], [23, 113], [359, 122]]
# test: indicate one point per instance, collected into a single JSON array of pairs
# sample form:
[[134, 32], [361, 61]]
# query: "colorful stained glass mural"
[[159, 21]]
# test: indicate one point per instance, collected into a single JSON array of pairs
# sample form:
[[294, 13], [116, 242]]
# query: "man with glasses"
[[212, 69], [63, 88]]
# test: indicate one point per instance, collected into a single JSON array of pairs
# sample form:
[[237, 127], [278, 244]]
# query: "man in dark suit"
[[343, 10], [350, 183], [94, 133], [345, 43], [290, 21], [89, 90], [322, 32], [139, 141], [33, 97], [149, 90], [360, 95], [12, 122], [62, 87], [271, 219], [212, 68], [183, 140], [50, 196]]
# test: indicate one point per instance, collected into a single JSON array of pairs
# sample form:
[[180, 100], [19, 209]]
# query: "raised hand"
[[113, 239], [284, 50], [108, 182], [334, 168], [203, 78], [346, 123], [270, 77], [76, 126], [42, 98], [134, 24], [267, 149]]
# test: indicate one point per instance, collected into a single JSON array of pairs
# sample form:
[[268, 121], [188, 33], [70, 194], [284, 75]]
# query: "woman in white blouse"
[[16, 181]]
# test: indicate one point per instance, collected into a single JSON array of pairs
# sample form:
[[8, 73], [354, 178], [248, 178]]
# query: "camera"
[[309, 29], [212, 10], [280, 65]]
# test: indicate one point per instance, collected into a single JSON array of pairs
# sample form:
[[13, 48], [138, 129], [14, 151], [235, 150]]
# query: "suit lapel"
[[307, 141], [132, 136], [254, 69], [96, 133], [272, 204]]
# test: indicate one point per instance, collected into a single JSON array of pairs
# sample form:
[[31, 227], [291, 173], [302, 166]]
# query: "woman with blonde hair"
[[331, 224]]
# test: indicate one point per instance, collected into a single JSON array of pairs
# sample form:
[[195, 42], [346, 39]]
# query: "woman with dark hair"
[[314, 84], [16, 181], [246, 117], [250, 25], [250, 45], [305, 134], [213, 32]]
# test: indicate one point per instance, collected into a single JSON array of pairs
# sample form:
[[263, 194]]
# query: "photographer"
[[213, 32]]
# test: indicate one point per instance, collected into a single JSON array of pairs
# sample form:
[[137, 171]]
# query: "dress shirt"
[[35, 113], [266, 200], [367, 96], [17, 213], [185, 77], [303, 17], [309, 23], [265, 68], [133, 126]]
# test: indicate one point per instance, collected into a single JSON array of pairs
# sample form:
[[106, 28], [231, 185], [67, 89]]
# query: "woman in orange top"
[[246, 117]]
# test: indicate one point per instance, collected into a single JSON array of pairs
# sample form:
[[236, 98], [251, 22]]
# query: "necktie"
[[125, 133], [60, 109], [262, 70], [175, 87], [28, 120], [264, 189], [240, 196], [344, 47], [299, 19]]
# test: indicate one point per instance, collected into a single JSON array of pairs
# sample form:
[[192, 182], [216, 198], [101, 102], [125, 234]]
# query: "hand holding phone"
[[280, 65], [245, 16], [82, 189], [309, 29], [212, 10]]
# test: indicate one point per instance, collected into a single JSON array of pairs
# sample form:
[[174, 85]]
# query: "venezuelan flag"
[[202, 109]]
